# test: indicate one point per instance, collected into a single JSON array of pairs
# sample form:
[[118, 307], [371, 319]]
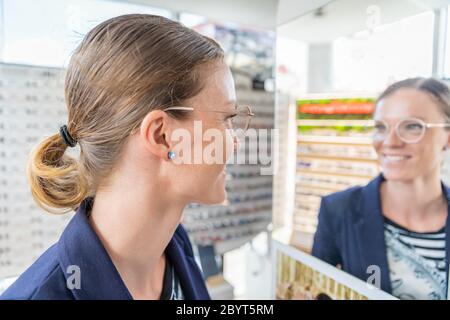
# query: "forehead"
[[218, 90], [407, 103]]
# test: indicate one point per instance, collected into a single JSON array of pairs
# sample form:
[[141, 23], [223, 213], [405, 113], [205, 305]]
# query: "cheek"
[[217, 144], [431, 146], [428, 154], [377, 147]]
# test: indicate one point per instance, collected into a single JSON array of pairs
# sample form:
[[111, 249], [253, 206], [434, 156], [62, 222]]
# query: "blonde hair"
[[124, 68]]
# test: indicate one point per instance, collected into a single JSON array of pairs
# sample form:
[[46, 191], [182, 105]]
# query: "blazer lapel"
[[80, 247], [370, 228], [191, 279], [447, 234]]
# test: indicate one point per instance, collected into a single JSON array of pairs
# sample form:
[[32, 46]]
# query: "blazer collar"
[[80, 246], [182, 258], [447, 234], [371, 227]]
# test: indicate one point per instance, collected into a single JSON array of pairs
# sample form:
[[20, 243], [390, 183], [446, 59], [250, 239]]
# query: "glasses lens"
[[380, 130], [241, 121], [411, 130]]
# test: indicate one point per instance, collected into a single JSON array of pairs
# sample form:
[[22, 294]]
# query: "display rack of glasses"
[[334, 152], [248, 50], [31, 106], [248, 210]]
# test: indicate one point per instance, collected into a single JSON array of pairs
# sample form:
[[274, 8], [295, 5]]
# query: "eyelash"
[[231, 116]]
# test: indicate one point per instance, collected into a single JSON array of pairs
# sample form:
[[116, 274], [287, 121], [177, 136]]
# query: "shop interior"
[[311, 70]]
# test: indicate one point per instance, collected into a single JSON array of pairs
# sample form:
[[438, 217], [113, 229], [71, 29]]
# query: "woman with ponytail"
[[132, 82]]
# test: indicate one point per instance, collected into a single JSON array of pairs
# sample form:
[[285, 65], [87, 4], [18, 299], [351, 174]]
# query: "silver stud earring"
[[171, 155]]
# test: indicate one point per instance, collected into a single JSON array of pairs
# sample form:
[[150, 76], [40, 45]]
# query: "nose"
[[392, 139]]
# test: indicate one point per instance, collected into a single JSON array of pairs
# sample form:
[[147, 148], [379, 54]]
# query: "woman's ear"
[[154, 130]]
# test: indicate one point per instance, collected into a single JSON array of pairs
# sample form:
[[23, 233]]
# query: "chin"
[[214, 195], [216, 192], [216, 198], [398, 175]]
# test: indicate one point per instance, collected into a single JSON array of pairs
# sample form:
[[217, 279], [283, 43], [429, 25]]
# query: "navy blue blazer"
[[350, 232], [80, 246]]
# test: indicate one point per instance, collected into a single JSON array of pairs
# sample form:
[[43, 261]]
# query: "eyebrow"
[[224, 108], [233, 102]]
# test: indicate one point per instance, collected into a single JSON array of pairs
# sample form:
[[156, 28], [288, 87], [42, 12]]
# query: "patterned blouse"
[[416, 262]]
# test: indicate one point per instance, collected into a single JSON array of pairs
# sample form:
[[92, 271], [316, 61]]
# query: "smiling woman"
[[399, 222]]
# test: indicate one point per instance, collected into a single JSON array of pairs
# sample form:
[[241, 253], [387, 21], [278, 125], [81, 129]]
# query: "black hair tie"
[[65, 135]]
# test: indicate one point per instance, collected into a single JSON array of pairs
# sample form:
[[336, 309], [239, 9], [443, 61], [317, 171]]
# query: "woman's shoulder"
[[350, 204], [345, 198], [43, 280]]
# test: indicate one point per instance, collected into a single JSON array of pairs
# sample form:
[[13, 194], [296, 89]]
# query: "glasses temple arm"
[[178, 108], [438, 125]]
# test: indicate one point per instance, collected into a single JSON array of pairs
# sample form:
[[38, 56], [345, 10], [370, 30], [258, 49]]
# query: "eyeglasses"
[[239, 120], [409, 130]]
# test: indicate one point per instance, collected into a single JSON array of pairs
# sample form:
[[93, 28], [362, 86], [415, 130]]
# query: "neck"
[[135, 224], [415, 202]]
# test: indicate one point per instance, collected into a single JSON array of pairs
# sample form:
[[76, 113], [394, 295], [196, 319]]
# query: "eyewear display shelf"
[[248, 209], [334, 152], [31, 107]]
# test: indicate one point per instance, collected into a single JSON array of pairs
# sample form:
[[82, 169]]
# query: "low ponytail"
[[56, 179]]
